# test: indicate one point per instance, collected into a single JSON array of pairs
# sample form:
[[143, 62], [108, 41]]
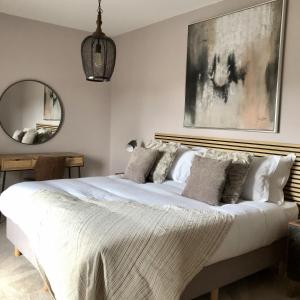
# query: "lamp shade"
[[98, 54], [131, 145]]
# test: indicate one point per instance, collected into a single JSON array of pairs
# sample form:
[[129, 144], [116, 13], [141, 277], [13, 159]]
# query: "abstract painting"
[[234, 70], [52, 108]]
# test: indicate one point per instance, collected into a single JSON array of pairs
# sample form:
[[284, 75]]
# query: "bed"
[[256, 239]]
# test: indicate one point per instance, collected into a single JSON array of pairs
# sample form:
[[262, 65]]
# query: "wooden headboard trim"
[[52, 128], [258, 148]]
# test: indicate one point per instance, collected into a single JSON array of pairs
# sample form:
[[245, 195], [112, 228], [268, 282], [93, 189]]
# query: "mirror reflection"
[[30, 112]]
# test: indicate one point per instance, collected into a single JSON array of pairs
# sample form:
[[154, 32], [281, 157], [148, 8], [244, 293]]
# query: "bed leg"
[[281, 268], [214, 294], [292, 288], [17, 252]]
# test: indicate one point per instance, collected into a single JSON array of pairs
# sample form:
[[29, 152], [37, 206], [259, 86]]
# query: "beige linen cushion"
[[140, 164], [237, 172], [167, 154], [207, 179]]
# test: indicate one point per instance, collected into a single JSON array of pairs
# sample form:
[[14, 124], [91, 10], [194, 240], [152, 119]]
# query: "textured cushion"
[[140, 164], [280, 177], [43, 136], [237, 172], [257, 184], [207, 179], [167, 154]]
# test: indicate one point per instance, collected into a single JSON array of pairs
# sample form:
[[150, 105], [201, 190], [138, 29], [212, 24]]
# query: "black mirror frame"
[[61, 106]]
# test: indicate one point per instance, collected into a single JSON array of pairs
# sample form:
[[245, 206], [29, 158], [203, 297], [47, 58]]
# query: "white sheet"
[[256, 224]]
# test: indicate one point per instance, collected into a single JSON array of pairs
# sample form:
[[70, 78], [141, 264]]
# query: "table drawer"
[[74, 161], [16, 164]]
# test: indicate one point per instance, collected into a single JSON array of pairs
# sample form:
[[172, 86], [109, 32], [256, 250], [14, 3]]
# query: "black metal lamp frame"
[[98, 53]]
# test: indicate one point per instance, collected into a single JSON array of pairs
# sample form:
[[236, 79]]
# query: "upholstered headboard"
[[259, 148]]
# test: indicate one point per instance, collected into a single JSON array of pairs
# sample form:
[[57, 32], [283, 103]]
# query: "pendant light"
[[98, 53]]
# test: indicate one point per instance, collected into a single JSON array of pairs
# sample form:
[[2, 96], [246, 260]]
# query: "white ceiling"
[[119, 16]]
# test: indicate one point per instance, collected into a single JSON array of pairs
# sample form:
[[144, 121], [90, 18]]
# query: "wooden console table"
[[24, 162]]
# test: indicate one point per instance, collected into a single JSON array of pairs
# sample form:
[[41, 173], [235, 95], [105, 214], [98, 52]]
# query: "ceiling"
[[119, 16]]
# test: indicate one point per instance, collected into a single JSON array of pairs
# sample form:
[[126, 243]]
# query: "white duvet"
[[255, 224]]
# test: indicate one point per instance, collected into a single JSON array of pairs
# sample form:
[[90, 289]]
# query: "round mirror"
[[31, 112]]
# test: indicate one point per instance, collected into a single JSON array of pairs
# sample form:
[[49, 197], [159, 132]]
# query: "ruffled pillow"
[[166, 156]]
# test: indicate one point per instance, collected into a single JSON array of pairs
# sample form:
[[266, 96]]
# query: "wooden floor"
[[20, 281]]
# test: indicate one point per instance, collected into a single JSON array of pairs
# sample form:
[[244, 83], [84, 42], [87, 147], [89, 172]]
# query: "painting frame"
[[279, 65]]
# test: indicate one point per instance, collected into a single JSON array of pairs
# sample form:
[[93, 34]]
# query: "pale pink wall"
[[148, 87], [35, 50]]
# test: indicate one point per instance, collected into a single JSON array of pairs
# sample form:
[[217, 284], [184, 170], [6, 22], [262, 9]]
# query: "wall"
[[148, 87], [32, 104], [10, 106], [35, 50]]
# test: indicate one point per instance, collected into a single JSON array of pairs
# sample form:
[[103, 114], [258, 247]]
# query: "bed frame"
[[215, 276]]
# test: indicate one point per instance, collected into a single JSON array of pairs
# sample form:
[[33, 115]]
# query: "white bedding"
[[255, 224]]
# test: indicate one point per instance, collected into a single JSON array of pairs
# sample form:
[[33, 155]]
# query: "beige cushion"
[[140, 164], [207, 179], [167, 154], [237, 172]]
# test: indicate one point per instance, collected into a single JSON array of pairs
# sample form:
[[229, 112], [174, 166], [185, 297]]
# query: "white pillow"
[[29, 136], [180, 151], [257, 185], [280, 177], [17, 134], [180, 170]]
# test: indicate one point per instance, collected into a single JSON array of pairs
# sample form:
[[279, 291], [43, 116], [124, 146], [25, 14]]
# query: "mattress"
[[255, 224]]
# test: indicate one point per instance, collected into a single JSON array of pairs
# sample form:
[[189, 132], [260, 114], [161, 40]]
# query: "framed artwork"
[[52, 108], [234, 64]]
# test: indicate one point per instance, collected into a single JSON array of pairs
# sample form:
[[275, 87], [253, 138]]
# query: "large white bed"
[[255, 225], [255, 239]]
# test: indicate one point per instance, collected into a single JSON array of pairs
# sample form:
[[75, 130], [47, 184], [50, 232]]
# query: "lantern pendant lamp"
[[98, 53]]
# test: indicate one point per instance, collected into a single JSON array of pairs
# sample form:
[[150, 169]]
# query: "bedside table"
[[293, 262]]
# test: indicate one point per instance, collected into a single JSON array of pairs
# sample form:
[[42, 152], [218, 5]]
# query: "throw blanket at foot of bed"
[[92, 250]]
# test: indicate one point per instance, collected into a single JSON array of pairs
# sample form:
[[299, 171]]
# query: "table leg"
[[79, 173], [2, 189], [214, 294], [69, 172], [3, 181]]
